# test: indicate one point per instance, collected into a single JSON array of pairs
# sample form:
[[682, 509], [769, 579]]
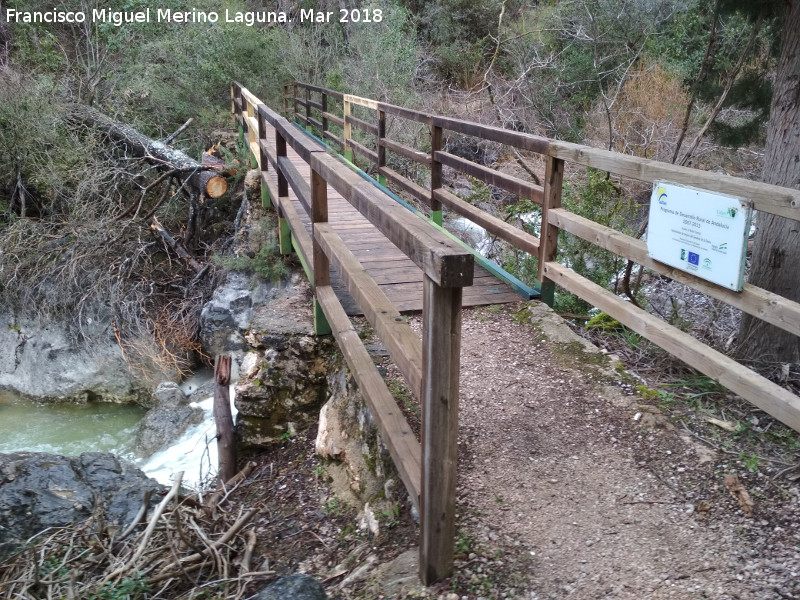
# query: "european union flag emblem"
[[694, 259]]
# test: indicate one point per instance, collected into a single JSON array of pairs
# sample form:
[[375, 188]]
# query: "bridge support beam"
[[441, 351]]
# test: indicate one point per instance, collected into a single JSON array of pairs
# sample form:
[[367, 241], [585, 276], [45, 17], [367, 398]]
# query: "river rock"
[[39, 490], [43, 360], [294, 587], [349, 437], [225, 318], [284, 377], [171, 415]]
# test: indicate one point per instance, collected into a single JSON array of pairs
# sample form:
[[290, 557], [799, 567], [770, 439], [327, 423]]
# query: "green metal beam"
[[284, 236], [306, 266], [321, 325]]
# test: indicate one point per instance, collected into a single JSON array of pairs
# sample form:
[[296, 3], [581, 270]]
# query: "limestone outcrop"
[[45, 361]]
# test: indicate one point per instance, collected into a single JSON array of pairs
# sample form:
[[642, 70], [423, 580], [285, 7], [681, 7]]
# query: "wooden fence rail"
[[785, 202], [431, 365]]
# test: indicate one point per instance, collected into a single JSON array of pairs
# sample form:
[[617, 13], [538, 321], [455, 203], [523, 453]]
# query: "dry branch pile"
[[188, 545]]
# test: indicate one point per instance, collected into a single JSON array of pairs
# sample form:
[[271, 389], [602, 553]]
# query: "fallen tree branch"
[[178, 131], [201, 180], [158, 228]]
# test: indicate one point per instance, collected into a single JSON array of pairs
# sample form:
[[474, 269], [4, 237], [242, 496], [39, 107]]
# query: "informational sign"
[[699, 232]]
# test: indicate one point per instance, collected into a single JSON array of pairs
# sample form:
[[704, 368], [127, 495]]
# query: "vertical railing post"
[[284, 233], [441, 349], [308, 110], [233, 104], [436, 173], [266, 201], [347, 129], [548, 244], [237, 111], [252, 137], [294, 99], [321, 264], [381, 148], [243, 134], [324, 102]]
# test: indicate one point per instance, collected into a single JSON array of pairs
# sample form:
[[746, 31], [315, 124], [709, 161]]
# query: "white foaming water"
[[194, 452]]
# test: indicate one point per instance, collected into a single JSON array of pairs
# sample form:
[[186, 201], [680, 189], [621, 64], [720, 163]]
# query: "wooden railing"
[[431, 365], [785, 202]]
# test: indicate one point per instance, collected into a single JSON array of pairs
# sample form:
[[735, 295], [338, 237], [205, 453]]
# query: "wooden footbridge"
[[390, 258]]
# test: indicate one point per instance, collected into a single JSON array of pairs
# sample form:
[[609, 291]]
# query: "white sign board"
[[699, 232]]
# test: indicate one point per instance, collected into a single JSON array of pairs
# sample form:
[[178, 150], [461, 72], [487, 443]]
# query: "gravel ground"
[[572, 484], [590, 493]]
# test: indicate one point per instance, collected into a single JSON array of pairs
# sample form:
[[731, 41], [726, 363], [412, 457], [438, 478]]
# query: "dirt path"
[[569, 488]]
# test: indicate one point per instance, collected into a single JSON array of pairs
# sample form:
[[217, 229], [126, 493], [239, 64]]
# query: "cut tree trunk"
[[200, 179], [226, 442], [776, 252]]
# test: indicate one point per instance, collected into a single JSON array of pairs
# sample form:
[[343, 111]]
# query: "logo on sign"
[[694, 258], [662, 196], [730, 213], [707, 263], [683, 254]]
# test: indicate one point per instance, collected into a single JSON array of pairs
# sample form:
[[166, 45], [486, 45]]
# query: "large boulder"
[[294, 587], [39, 490], [170, 416]]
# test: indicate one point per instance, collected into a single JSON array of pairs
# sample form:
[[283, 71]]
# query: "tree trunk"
[[200, 179], [776, 252], [226, 442]]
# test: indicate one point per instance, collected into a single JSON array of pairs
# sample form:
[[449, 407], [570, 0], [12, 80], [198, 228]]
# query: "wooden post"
[[226, 442], [441, 349], [436, 174], [308, 110], [321, 264], [237, 112], [294, 99], [284, 233], [324, 102], [266, 201], [381, 147], [548, 245], [252, 136], [347, 129], [233, 104]]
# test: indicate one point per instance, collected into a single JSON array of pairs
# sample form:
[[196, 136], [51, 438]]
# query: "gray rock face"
[[289, 387], [43, 361], [294, 587], [226, 317], [348, 434], [167, 420], [284, 381], [40, 490]]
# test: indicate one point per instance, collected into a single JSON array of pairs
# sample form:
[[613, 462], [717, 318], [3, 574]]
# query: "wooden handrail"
[[766, 197], [785, 202], [430, 366]]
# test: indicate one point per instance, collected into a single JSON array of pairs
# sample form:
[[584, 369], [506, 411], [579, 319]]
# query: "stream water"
[[67, 429], [70, 429]]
